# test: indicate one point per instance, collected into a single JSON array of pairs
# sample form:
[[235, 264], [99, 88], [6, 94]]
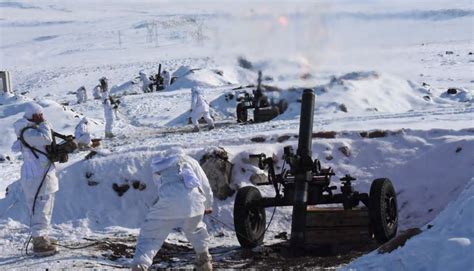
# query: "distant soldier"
[[83, 135], [115, 105], [166, 77], [104, 87], [146, 83], [199, 109], [81, 95], [109, 118], [96, 92]]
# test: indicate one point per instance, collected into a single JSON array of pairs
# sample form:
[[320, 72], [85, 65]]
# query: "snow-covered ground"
[[373, 65]]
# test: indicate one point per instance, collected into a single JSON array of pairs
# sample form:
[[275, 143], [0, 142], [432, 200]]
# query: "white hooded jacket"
[[145, 81], [166, 78], [33, 169], [96, 92], [82, 133], [198, 103], [183, 188], [81, 95], [108, 115]]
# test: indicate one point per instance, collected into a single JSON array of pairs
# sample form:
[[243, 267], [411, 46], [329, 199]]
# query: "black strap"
[[56, 134], [33, 149], [40, 186]]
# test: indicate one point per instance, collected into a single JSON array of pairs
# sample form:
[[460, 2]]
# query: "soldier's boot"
[[43, 247], [196, 129], [203, 262], [211, 127], [109, 135]]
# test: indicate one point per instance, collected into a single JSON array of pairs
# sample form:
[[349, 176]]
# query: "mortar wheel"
[[249, 219], [383, 210], [242, 114], [282, 106]]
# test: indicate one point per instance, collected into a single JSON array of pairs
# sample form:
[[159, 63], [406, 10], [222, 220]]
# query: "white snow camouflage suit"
[[183, 195], [32, 172], [199, 108], [82, 133], [109, 116]]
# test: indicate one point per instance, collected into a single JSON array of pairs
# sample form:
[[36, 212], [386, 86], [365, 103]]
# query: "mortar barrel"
[[259, 81], [306, 124], [303, 174]]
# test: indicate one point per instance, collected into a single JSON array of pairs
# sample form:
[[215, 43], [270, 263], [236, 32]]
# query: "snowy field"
[[374, 65]]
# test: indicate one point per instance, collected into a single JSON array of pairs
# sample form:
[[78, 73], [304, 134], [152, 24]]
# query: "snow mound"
[[86, 191], [225, 105], [447, 245], [187, 77], [458, 95], [127, 88], [355, 92], [369, 91]]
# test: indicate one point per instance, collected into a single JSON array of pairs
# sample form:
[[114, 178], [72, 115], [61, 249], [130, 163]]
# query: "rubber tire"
[[380, 190], [242, 114], [248, 235], [282, 106]]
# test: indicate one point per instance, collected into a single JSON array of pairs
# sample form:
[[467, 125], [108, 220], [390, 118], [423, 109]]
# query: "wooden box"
[[336, 226]]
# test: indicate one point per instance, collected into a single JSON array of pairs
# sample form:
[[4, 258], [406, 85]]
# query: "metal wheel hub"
[[391, 209], [255, 219]]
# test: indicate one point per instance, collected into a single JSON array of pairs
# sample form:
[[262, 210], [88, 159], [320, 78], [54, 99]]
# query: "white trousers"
[[41, 219], [84, 139], [154, 232], [108, 126], [195, 116]]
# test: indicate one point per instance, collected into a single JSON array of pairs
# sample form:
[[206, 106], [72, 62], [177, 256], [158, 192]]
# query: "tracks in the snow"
[[230, 132]]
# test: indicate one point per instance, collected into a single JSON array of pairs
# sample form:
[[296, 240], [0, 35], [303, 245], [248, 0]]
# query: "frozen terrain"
[[374, 65]]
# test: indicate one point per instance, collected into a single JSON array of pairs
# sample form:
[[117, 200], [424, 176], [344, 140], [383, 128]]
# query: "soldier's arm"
[[40, 136]]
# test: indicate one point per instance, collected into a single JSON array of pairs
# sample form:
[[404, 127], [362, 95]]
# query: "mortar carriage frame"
[[306, 183], [263, 109]]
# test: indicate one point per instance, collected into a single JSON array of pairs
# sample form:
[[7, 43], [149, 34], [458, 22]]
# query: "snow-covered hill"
[[445, 244]]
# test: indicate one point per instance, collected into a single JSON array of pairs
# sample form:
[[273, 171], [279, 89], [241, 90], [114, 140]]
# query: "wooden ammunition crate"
[[336, 226]]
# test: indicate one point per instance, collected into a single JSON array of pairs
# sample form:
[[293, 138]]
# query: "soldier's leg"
[[41, 218], [196, 233], [39, 226], [209, 120], [152, 235], [195, 116]]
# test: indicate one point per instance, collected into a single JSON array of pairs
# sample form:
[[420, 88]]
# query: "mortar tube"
[[304, 152]]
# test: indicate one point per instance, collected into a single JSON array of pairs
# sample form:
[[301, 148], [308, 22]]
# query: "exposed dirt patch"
[[374, 134], [327, 134], [258, 139], [276, 256]]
